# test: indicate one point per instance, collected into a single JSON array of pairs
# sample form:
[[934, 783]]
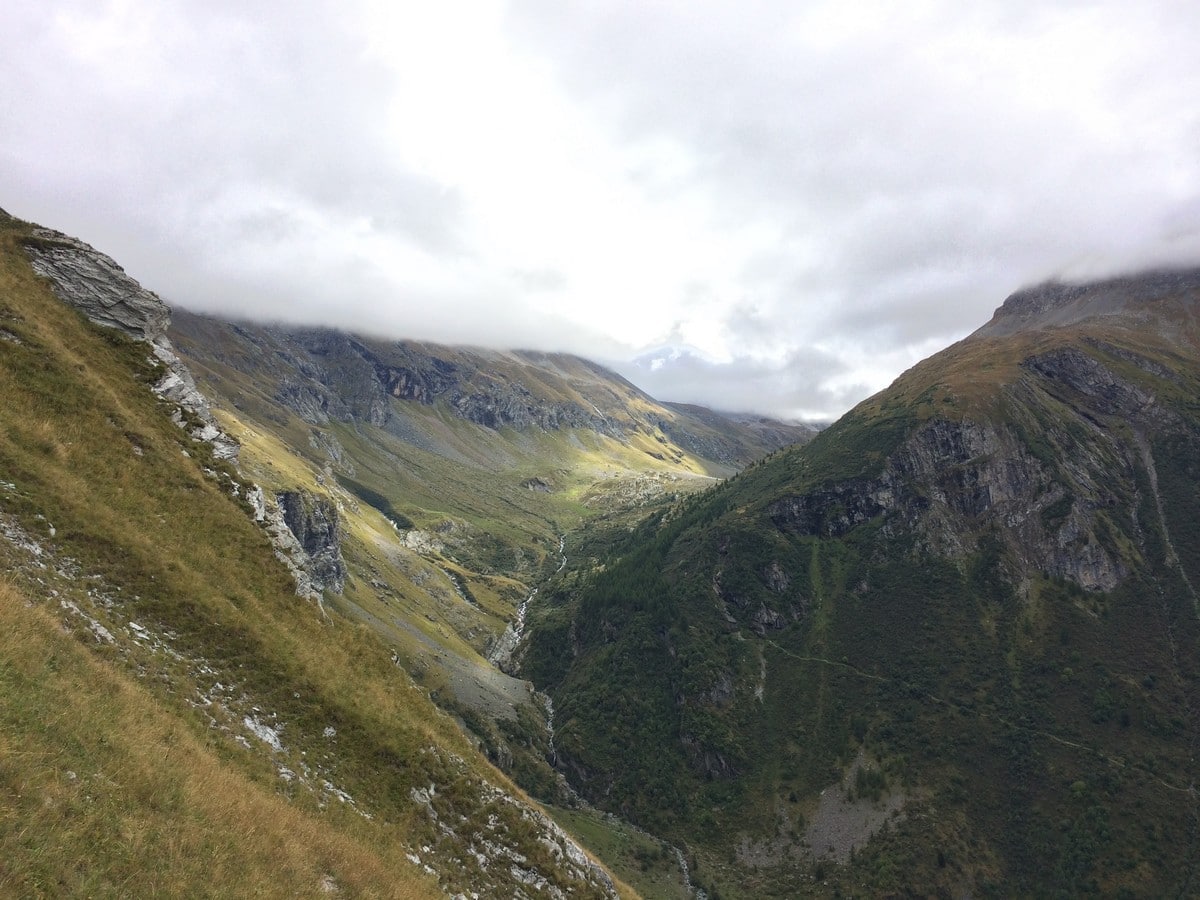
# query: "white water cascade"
[[501, 654]]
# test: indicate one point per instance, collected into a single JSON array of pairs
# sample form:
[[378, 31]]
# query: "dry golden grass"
[[103, 792]]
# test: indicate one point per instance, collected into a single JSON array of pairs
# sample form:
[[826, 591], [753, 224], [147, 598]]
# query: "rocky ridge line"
[[93, 283], [98, 287], [1057, 304]]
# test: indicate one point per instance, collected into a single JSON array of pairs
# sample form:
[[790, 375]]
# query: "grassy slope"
[[1034, 737], [103, 791], [95, 470]]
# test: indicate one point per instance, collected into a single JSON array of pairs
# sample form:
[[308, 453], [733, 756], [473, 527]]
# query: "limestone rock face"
[[179, 387], [316, 526], [97, 286]]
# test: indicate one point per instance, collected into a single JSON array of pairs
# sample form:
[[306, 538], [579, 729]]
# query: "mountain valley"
[[298, 612], [411, 495]]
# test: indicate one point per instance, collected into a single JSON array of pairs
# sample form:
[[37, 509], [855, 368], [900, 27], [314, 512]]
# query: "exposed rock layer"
[[326, 376], [100, 289], [315, 524]]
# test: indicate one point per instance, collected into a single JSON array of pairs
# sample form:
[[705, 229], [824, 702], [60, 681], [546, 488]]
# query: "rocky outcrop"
[[93, 283], [304, 530], [953, 481], [832, 511], [422, 385], [1105, 392], [489, 839], [514, 406], [192, 411], [314, 523], [289, 551]]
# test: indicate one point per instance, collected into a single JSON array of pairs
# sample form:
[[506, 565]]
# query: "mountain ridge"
[[1058, 304], [999, 542], [492, 388]]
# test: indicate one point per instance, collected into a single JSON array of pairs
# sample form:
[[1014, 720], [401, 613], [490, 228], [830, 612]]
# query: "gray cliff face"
[[1051, 482], [316, 526], [343, 379], [93, 283], [97, 286], [514, 406]]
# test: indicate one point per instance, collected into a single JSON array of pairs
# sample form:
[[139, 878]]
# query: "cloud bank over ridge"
[[770, 206]]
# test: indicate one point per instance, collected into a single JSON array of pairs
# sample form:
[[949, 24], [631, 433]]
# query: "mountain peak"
[[1054, 304]]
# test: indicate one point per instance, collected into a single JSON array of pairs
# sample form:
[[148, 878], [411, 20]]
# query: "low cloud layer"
[[773, 207]]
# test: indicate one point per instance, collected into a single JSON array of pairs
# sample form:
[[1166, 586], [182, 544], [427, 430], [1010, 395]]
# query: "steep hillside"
[[453, 480], [179, 714], [221, 551], [951, 646]]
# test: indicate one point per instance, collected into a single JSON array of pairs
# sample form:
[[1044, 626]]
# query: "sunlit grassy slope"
[[174, 720]]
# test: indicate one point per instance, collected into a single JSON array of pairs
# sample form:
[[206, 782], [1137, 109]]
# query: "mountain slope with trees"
[[951, 645]]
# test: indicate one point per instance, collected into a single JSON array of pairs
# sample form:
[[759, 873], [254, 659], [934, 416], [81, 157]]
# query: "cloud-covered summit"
[[800, 199]]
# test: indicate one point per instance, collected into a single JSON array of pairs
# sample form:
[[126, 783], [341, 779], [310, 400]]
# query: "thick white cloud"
[[791, 202]]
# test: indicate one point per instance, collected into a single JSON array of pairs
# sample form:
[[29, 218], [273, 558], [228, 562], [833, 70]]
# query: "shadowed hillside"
[[950, 646]]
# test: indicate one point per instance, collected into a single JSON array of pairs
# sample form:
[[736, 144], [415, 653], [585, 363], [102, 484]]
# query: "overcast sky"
[[773, 206]]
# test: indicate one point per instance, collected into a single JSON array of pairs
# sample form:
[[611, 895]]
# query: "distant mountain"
[[326, 376], [949, 647]]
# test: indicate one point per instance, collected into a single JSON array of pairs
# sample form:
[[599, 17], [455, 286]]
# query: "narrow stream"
[[502, 653], [513, 632]]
